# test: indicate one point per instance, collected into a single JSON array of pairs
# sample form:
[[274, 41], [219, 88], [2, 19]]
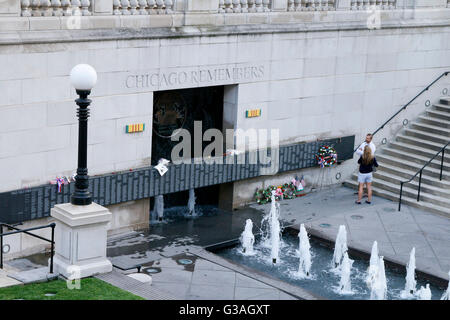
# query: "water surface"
[[324, 282]]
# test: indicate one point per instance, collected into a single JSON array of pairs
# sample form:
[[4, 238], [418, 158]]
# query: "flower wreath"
[[285, 191], [326, 157]]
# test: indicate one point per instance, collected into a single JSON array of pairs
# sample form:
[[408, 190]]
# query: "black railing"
[[27, 231], [442, 150], [406, 105]]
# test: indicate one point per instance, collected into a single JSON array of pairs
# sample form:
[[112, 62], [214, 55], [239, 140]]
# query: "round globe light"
[[83, 77]]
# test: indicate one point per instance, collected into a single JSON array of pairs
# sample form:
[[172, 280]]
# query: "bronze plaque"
[[169, 114]]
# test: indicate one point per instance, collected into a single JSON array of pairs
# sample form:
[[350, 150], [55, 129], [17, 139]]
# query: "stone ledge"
[[89, 269], [259, 276], [35, 275], [23, 30], [80, 215], [67, 36]]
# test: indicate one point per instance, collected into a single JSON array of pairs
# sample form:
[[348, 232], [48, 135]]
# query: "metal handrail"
[[420, 175], [27, 231], [406, 105]]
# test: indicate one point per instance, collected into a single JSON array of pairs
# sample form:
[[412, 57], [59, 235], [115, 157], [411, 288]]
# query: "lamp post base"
[[73, 271], [80, 240], [80, 201]]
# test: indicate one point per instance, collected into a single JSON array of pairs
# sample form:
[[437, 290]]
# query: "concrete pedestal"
[[80, 240]]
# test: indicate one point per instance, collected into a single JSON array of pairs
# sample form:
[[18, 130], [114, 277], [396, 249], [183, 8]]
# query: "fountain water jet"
[[271, 233], [424, 293], [159, 207], [446, 295], [275, 236], [379, 286], [340, 247], [266, 223], [191, 203], [305, 253], [410, 286], [373, 266], [345, 286], [247, 238], [387, 285]]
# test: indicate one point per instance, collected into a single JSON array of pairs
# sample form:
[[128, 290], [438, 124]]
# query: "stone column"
[[102, 7], [343, 4], [80, 240], [200, 12], [202, 5], [179, 5], [279, 5], [10, 8], [431, 3]]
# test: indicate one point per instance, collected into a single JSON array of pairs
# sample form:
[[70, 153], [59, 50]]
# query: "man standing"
[[360, 150], [368, 142]]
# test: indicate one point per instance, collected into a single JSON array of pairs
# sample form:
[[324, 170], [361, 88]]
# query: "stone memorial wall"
[[34, 203]]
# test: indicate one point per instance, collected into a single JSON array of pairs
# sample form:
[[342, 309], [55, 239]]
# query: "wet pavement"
[[321, 212], [30, 269], [194, 277], [178, 235], [30, 262]]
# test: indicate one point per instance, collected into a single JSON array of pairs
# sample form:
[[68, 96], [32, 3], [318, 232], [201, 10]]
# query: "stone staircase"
[[407, 153]]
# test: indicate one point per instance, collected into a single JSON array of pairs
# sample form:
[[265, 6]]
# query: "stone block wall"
[[309, 84]]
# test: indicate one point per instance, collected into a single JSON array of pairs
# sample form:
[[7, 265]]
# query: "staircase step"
[[445, 100], [421, 160], [441, 107], [431, 128], [405, 199], [411, 148], [427, 136], [438, 114], [406, 174], [420, 142], [407, 153], [410, 192], [413, 166], [426, 186], [434, 121]]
